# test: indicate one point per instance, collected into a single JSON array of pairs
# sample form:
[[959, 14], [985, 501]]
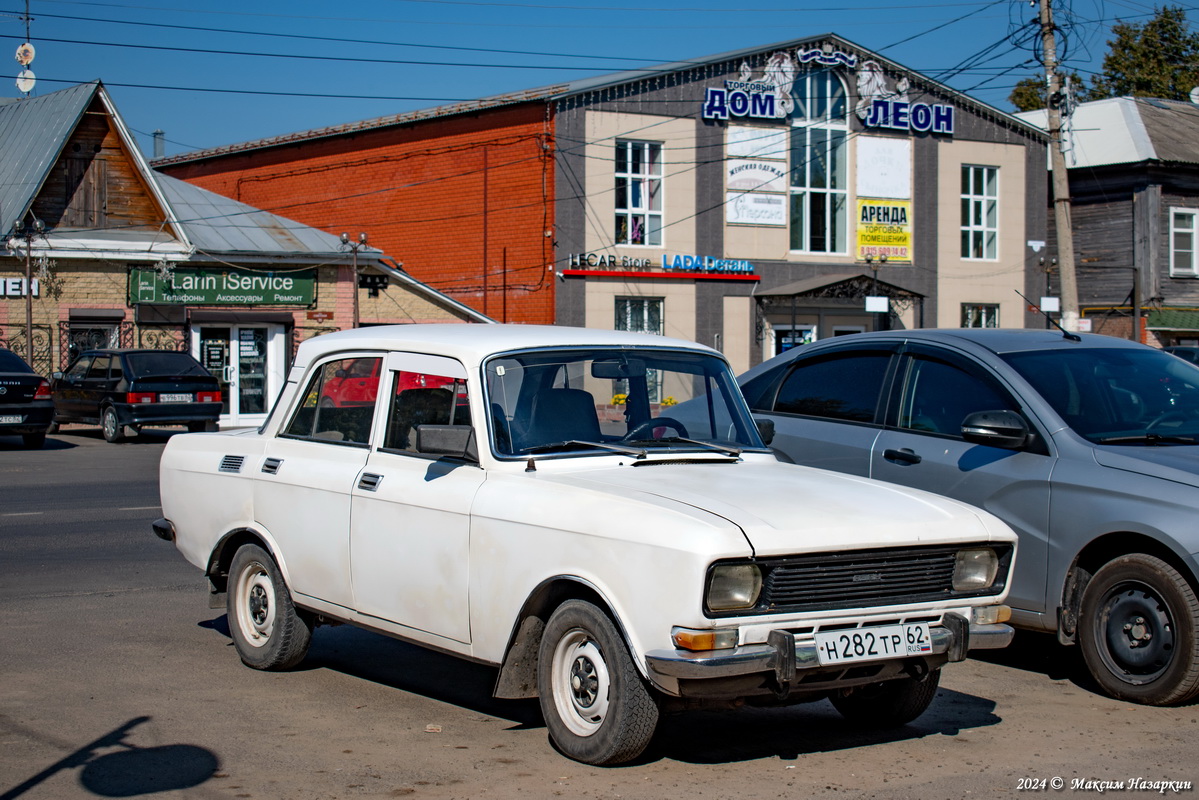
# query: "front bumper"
[[786, 656]]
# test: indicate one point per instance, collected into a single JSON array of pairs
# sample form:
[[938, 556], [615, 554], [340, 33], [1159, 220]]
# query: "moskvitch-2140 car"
[[533, 504]]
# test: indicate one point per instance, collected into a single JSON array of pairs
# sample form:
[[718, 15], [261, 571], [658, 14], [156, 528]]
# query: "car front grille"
[[865, 578]]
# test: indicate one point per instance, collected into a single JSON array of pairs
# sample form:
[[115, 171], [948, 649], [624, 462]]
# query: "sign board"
[[755, 208], [320, 316], [885, 229], [884, 167], [746, 142], [755, 176], [226, 286]]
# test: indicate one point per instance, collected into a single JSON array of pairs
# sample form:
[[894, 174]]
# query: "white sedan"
[[593, 512]]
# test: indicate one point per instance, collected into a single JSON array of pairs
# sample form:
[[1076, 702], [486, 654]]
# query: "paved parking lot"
[[118, 681]]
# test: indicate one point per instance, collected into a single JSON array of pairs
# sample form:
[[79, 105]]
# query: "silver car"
[[1088, 446]]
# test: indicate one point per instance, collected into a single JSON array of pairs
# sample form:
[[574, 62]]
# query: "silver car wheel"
[[256, 604], [580, 682]]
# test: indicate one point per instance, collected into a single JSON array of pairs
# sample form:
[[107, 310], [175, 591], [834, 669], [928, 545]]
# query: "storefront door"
[[249, 361]]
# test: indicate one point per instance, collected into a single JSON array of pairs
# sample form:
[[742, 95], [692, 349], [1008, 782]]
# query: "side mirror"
[[57, 376], [765, 429], [1005, 429], [447, 440]]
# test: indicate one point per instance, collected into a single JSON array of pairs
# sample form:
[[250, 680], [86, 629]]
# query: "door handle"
[[904, 456]]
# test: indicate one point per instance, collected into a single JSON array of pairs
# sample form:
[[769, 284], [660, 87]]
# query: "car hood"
[[1178, 463], [785, 508]]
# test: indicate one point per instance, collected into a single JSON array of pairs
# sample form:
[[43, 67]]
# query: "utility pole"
[[354, 247], [1055, 99]]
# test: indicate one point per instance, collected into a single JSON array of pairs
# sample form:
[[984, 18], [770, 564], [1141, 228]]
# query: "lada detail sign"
[[226, 287]]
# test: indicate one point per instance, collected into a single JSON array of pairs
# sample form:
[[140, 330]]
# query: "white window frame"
[[1191, 254], [799, 184], [641, 187], [975, 207]]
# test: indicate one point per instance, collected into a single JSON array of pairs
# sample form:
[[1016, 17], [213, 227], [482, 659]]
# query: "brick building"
[[101, 251], [751, 200]]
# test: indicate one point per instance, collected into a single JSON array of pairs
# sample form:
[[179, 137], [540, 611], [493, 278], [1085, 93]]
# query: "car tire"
[[110, 426], [888, 704], [1137, 629], [197, 427], [597, 707], [33, 441], [267, 629]]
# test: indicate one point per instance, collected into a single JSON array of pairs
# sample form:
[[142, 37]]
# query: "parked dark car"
[[126, 390], [1087, 446], [25, 405]]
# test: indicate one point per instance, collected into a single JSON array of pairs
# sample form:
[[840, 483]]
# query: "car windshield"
[[625, 400], [143, 365], [1117, 395]]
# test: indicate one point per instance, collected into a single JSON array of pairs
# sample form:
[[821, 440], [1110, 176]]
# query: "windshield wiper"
[[615, 448], [1148, 438], [720, 448]]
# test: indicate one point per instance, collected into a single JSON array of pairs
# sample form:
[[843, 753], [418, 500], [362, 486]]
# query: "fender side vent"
[[271, 465], [232, 463]]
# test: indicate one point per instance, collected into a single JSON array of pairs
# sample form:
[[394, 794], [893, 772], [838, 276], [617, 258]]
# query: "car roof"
[[471, 343], [997, 340]]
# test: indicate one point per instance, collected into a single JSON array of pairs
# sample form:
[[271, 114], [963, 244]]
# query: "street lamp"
[[27, 234], [354, 247]]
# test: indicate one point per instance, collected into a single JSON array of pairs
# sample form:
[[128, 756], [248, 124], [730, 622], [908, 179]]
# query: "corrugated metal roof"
[[33, 131], [582, 86], [217, 224], [1128, 130]]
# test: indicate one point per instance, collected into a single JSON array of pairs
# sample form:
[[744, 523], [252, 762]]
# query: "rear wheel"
[[267, 630], [110, 426], [1137, 630], [34, 441], [197, 427], [887, 704], [597, 708]]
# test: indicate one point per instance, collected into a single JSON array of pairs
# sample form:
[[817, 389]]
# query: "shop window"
[[980, 212], [639, 193], [980, 315], [819, 153], [1182, 242]]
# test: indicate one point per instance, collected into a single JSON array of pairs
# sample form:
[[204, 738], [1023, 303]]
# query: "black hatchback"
[[126, 390], [25, 406]]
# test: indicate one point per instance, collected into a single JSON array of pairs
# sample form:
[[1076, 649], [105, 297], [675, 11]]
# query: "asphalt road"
[[116, 680]]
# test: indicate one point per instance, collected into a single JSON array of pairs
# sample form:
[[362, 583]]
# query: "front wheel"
[[267, 630], [888, 704], [111, 426], [597, 708], [1137, 630]]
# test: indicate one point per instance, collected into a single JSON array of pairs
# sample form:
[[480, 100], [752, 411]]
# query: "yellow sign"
[[885, 229]]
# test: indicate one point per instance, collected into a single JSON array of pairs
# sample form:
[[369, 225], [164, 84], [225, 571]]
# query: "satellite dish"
[[25, 54], [1195, 95], [26, 80]]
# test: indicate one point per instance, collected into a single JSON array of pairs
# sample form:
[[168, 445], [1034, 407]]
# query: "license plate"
[[11, 419], [175, 398], [872, 644]]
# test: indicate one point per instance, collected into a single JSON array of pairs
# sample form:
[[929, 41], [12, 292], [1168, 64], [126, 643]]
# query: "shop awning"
[[840, 287], [1173, 319]]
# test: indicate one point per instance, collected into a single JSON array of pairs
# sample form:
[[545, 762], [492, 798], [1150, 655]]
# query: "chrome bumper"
[[785, 656]]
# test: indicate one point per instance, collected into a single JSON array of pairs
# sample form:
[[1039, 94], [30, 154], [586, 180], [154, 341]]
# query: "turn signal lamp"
[[208, 397], [991, 615], [718, 639], [139, 397]]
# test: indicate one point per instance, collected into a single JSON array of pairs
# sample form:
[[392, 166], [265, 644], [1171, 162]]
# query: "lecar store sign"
[[227, 286]]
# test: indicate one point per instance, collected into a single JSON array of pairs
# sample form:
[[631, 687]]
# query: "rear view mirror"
[[447, 440], [618, 370], [1005, 429]]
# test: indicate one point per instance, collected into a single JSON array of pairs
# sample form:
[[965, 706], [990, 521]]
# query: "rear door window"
[[845, 386]]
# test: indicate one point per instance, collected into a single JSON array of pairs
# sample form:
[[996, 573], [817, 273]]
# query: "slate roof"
[[1129, 130], [581, 86]]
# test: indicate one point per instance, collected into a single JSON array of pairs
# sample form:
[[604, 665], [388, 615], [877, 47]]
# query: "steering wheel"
[[1176, 414], [641, 430]]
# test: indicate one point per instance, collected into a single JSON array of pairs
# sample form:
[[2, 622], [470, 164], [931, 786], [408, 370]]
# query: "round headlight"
[[733, 586], [974, 569]]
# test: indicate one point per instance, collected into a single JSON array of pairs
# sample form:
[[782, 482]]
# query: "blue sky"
[[217, 72]]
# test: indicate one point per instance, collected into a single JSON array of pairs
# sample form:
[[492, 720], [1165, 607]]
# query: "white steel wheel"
[[580, 682], [267, 630], [597, 707]]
